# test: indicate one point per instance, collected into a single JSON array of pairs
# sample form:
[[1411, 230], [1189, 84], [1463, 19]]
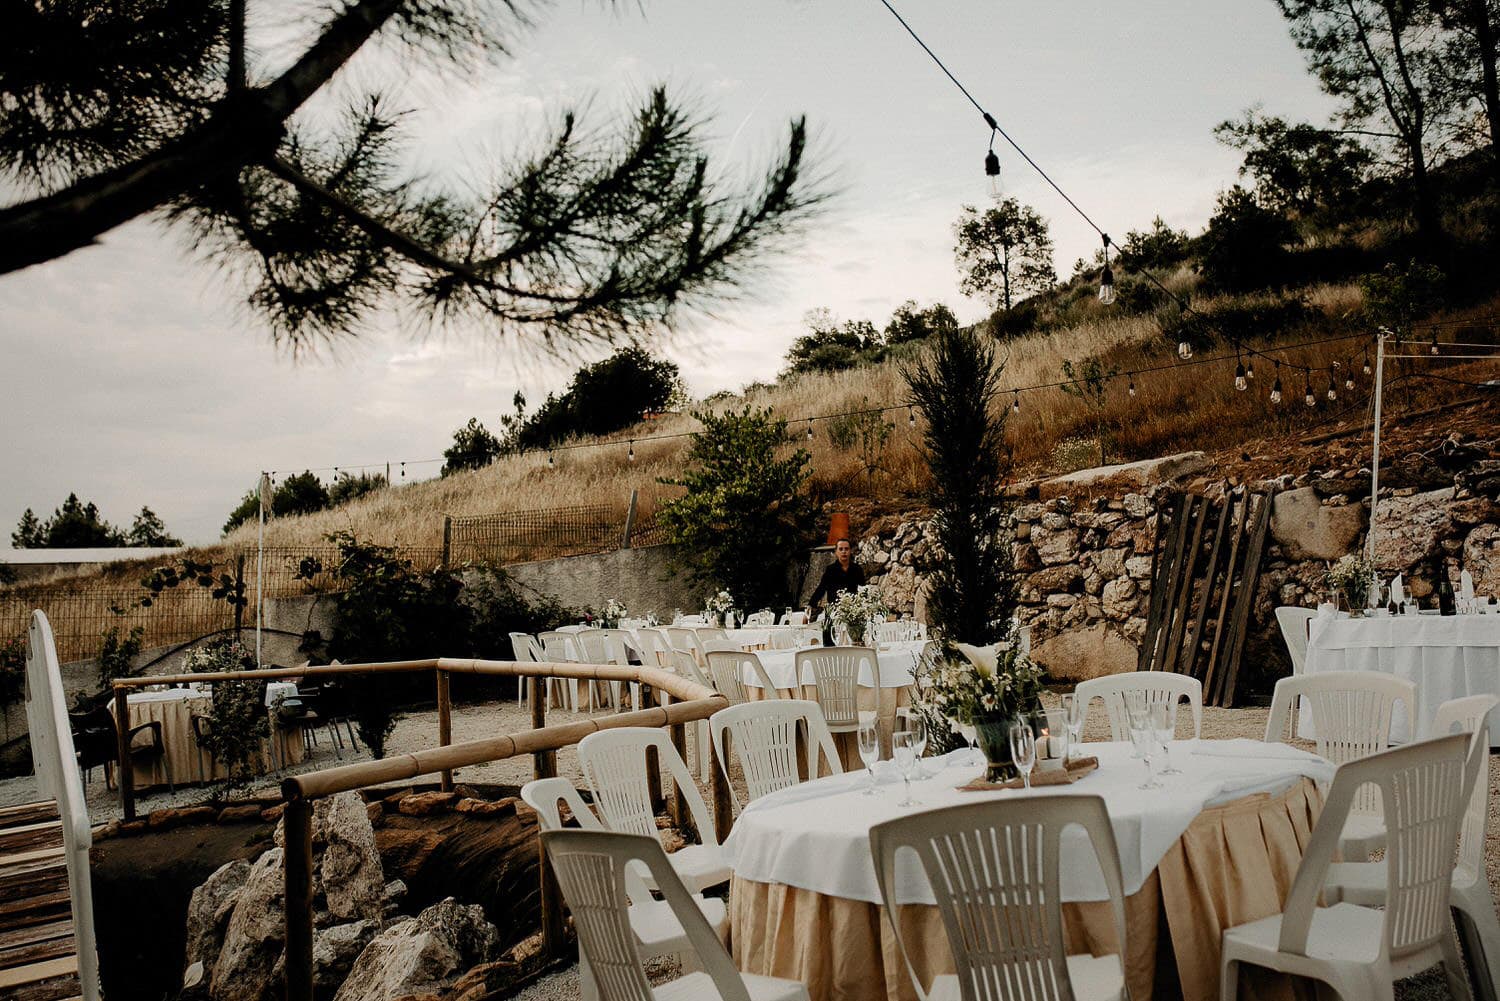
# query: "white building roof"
[[35, 557]]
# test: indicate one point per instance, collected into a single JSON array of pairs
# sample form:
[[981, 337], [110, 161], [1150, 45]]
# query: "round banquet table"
[[1217, 846], [1447, 657], [175, 709], [897, 665]]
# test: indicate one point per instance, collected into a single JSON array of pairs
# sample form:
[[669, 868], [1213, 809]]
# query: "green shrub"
[[237, 722], [1074, 453], [117, 654]]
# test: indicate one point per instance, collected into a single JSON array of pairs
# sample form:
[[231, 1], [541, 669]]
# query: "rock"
[[1062, 600], [1138, 567], [1056, 547], [1474, 511], [209, 911], [1126, 476], [1093, 583], [1028, 512], [1408, 529], [1023, 557], [1110, 562], [272, 814], [246, 968], [422, 955], [335, 950], [422, 804], [485, 807], [239, 814], [165, 820], [1053, 580], [1080, 654], [1308, 529], [1482, 559], [348, 872], [1054, 521], [392, 897], [1118, 599], [1138, 506], [1022, 531], [899, 588]]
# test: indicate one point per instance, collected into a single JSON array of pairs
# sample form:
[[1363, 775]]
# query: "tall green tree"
[[149, 530], [910, 322], [604, 397], [1473, 54], [831, 346], [193, 112], [28, 533], [474, 447], [1383, 60], [956, 386], [74, 525], [1296, 167], [742, 518], [1245, 245], [1003, 253]]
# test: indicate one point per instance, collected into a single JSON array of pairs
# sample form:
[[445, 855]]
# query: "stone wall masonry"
[[639, 578]]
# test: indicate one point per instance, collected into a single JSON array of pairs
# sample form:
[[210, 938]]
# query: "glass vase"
[[994, 740]]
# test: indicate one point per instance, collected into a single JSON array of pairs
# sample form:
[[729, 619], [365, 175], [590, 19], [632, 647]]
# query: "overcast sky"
[[133, 375]]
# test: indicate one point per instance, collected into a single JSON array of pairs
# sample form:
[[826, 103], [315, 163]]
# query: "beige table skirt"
[[1234, 864], [190, 764]]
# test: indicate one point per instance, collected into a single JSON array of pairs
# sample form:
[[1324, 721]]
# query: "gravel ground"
[[418, 730]]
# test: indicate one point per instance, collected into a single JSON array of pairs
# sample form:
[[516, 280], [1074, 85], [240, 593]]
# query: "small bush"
[[117, 654], [1074, 453], [237, 721]]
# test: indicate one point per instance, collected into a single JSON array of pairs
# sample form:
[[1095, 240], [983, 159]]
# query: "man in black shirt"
[[843, 574]]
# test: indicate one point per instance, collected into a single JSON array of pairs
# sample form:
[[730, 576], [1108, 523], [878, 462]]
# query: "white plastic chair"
[[686, 666], [658, 933], [654, 645], [765, 736], [794, 618], [1361, 951], [617, 643], [710, 634], [727, 670], [764, 617], [594, 648], [1294, 622], [835, 672], [1158, 687], [614, 765], [1365, 883], [590, 867], [562, 648], [523, 648], [1351, 714], [683, 638], [994, 868]]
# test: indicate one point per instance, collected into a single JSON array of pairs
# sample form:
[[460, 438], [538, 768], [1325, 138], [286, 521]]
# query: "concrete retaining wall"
[[638, 578]]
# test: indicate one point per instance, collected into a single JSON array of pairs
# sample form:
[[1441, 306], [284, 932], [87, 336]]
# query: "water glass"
[[1165, 728], [917, 727], [1143, 737], [1072, 708], [869, 750], [1135, 705], [905, 747], [1023, 750]]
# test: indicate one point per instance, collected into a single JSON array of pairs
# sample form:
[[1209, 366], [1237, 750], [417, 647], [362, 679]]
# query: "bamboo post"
[[677, 808], [297, 862], [445, 724], [649, 697], [124, 773], [545, 767], [718, 786], [544, 763]]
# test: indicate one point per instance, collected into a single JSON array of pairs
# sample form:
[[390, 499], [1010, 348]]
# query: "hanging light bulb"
[[1250, 369], [1308, 397], [1184, 350], [403, 470], [632, 450], [809, 429], [1434, 344], [1333, 392], [550, 463], [1240, 380], [1015, 403], [1106, 278], [991, 161], [1367, 361], [911, 417], [1349, 380], [1131, 388]]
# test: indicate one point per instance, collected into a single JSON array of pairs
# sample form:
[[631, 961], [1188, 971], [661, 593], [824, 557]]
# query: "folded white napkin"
[[1398, 589]]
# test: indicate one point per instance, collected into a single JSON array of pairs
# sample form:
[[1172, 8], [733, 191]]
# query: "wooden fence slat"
[[1192, 649], [1164, 516], [1161, 588], [1180, 604], [1212, 676], [1246, 599]]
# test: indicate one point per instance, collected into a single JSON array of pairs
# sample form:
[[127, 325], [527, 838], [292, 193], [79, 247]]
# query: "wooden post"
[[239, 596], [124, 773], [445, 724], [297, 863], [629, 521], [718, 787], [677, 808], [649, 697], [544, 763], [447, 540]]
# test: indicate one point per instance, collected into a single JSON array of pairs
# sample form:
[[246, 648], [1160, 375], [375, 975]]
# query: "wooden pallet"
[[1205, 567], [38, 954]]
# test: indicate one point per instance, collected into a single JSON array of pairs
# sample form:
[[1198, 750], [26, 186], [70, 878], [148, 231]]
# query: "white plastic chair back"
[[764, 734], [1351, 714], [546, 795], [1294, 621], [710, 634], [794, 619], [903, 630], [686, 666], [653, 645], [560, 647], [682, 638], [1425, 787], [591, 868], [1157, 688], [614, 765], [727, 670], [787, 639], [1470, 715], [764, 617], [696, 619], [835, 672], [995, 869], [616, 646], [521, 646]]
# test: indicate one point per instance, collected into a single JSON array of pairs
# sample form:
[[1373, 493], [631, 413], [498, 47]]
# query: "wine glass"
[[1165, 729], [1143, 736], [869, 750], [917, 726], [1073, 708], [905, 746], [1135, 705], [1023, 750]]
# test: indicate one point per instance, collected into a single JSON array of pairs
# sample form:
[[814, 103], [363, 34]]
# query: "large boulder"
[[1132, 476], [1408, 530], [1080, 654], [1307, 529], [1482, 559], [247, 968], [899, 588], [335, 950], [422, 955], [348, 880], [1055, 546], [209, 911]]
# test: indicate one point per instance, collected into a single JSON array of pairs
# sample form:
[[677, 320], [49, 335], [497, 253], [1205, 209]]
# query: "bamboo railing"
[[692, 702]]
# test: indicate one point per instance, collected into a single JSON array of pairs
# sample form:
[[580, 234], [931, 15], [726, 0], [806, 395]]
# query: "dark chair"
[[336, 707], [96, 742]]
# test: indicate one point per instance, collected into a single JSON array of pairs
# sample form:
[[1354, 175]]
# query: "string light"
[[1276, 386], [403, 470], [1131, 388], [1106, 278], [632, 450], [1367, 361], [1333, 392], [1434, 343], [1184, 350], [809, 429], [1308, 397], [1240, 381], [1250, 370], [1015, 403], [992, 167], [1349, 380], [550, 463], [911, 417]]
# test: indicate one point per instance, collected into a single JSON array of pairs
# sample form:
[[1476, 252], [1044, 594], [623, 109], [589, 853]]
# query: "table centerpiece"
[[988, 688]]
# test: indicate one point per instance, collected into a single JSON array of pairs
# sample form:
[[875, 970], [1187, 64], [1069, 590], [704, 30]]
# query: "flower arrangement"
[[986, 683], [855, 609], [614, 611], [1352, 576], [718, 607], [229, 655]]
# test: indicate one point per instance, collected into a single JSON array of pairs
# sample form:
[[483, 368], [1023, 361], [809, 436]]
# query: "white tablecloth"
[[1447, 657], [898, 663], [816, 836]]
